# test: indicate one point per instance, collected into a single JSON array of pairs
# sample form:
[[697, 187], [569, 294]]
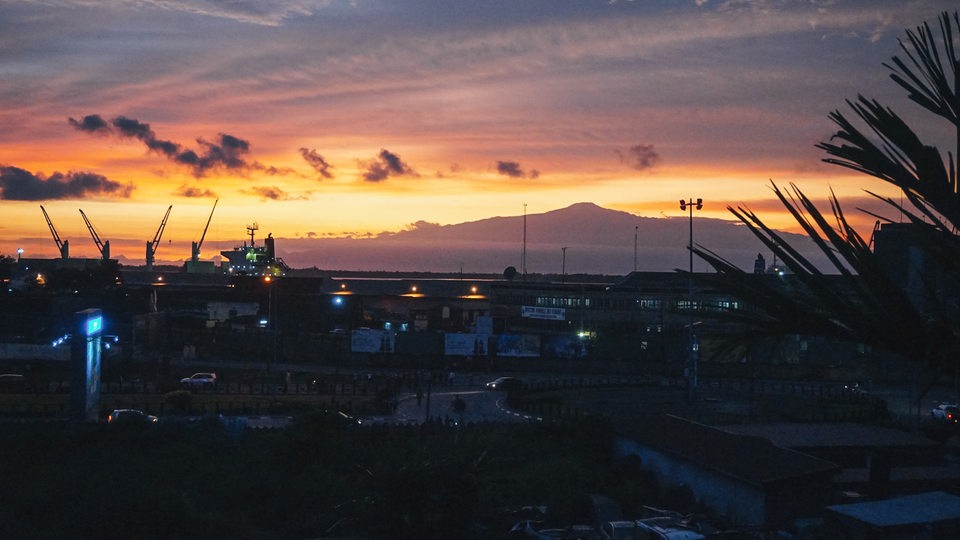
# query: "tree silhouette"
[[862, 302]]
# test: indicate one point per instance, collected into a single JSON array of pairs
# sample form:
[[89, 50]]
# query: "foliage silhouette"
[[863, 303]]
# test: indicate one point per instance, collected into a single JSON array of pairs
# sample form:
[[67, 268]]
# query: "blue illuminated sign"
[[94, 325]]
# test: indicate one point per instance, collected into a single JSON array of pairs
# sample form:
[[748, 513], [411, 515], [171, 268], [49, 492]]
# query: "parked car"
[[504, 384], [947, 413], [199, 380], [130, 416]]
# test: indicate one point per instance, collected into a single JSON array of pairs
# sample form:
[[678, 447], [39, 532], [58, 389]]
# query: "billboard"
[[547, 313], [369, 340], [484, 325], [519, 345], [567, 347], [465, 345]]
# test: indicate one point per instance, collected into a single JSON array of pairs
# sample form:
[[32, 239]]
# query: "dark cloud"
[[317, 161], [167, 148], [129, 127], [17, 184], [92, 123], [513, 170], [190, 191], [226, 152], [385, 165], [640, 157]]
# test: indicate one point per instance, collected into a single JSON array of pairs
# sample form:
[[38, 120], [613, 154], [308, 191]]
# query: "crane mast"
[[62, 245], [152, 245], [195, 246], [104, 247]]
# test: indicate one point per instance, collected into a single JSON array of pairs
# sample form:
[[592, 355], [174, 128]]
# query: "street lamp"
[[19, 253], [693, 351], [271, 324]]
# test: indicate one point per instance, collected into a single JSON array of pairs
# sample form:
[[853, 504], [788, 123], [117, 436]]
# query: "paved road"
[[481, 406]]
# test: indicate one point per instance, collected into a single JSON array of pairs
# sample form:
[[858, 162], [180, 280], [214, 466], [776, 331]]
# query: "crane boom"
[[195, 248], [104, 247], [152, 245], [62, 245]]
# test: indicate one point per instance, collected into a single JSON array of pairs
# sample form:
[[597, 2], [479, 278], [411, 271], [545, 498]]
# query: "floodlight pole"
[[692, 350]]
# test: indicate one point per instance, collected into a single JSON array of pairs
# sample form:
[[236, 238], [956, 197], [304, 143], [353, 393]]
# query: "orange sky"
[[332, 117]]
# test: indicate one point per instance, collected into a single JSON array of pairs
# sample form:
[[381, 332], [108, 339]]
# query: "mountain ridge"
[[581, 238]]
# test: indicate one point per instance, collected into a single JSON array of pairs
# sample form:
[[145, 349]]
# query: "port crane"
[[62, 245], [195, 246], [152, 245], [104, 247]]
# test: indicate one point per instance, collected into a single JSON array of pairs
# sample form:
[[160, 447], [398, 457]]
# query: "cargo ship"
[[254, 260]]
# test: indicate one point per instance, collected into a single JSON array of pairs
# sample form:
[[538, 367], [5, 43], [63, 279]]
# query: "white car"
[[200, 380]]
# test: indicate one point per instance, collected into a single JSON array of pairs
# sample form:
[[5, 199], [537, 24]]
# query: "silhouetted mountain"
[[597, 241]]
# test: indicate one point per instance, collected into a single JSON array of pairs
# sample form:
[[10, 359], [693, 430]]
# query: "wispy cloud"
[[274, 193], [271, 13], [193, 192], [317, 162]]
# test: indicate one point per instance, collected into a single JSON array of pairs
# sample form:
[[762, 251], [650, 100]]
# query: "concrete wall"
[[740, 503]]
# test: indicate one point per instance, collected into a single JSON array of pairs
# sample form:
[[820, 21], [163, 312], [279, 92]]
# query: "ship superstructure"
[[252, 259]]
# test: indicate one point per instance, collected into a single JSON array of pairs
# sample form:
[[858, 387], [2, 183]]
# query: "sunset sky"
[[331, 118]]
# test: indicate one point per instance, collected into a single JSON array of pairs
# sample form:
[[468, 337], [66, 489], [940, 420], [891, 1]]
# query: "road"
[[481, 406]]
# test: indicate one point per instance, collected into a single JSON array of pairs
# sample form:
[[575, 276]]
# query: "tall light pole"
[[690, 204], [271, 324], [636, 233]]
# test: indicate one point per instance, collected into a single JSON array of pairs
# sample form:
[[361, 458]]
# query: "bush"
[[179, 401]]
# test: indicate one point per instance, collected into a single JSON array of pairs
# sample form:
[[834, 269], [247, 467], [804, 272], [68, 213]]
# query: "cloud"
[[226, 152], [92, 123], [317, 161], [641, 157], [129, 127], [273, 193], [190, 191], [385, 165], [272, 13], [513, 170], [17, 184]]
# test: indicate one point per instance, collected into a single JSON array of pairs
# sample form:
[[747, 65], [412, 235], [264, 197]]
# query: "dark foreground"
[[318, 478]]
